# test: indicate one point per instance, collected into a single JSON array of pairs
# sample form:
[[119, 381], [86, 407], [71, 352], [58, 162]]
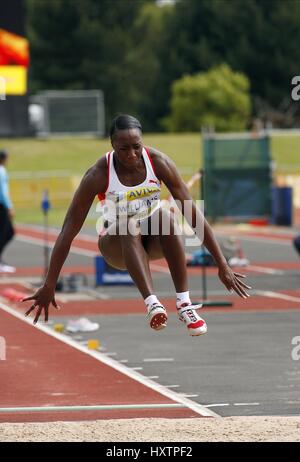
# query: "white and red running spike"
[[157, 316], [196, 325]]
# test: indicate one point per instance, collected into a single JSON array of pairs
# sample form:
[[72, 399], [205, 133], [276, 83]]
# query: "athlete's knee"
[[111, 250], [116, 262]]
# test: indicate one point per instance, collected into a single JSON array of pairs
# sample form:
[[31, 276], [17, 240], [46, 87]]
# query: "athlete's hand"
[[42, 299], [232, 281]]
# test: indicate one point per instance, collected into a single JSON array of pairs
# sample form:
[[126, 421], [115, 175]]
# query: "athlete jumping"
[[128, 181]]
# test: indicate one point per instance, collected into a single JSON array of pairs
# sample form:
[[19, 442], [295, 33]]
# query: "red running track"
[[40, 370]]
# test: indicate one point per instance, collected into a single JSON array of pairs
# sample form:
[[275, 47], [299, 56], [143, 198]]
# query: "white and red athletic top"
[[140, 201]]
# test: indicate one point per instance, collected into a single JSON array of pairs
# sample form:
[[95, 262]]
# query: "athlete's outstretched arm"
[[167, 171], [83, 198]]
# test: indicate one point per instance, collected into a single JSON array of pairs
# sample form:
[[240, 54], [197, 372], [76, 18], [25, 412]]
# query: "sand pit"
[[161, 430]]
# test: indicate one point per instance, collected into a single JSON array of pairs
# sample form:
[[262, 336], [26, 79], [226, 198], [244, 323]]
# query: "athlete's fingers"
[[30, 309], [238, 275], [243, 291], [46, 314], [55, 304], [38, 313], [32, 297], [240, 291], [243, 284]]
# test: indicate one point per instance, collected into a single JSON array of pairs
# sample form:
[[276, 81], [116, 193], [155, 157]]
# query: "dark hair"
[[124, 122], [3, 155]]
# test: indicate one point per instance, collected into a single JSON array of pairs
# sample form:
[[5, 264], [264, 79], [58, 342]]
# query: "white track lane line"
[[262, 269], [261, 239], [217, 405], [111, 407], [255, 268], [197, 408], [270, 294], [229, 404], [246, 404]]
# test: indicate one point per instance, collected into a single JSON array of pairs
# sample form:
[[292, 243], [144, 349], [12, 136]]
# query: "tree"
[[256, 37], [52, 30], [84, 44], [218, 98], [133, 50]]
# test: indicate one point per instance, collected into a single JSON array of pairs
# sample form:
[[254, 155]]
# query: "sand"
[[161, 430]]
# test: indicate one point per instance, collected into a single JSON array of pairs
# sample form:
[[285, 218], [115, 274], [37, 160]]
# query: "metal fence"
[[238, 176], [65, 113]]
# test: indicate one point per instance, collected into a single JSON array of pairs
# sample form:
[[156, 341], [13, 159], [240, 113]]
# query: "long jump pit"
[[226, 429], [44, 398]]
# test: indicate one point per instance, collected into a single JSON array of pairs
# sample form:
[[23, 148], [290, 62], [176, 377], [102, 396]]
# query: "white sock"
[[182, 297], [150, 300]]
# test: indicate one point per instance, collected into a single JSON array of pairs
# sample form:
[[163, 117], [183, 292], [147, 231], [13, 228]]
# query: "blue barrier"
[[282, 206], [107, 275]]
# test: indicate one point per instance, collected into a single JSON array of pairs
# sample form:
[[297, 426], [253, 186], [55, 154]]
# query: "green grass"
[[286, 153], [77, 155]]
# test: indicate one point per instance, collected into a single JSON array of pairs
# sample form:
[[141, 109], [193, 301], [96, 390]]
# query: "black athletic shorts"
[[6, 228]]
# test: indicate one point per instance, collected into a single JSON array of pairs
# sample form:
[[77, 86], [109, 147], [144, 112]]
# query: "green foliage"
[[105, 44], [134, 50], [52, 31], [76, 155], [257, 37], [219, 98]]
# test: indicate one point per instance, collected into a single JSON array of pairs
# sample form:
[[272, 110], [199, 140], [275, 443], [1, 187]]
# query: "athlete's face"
[[128, 146]]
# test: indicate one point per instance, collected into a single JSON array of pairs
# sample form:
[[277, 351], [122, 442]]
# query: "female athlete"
[[128, 182]]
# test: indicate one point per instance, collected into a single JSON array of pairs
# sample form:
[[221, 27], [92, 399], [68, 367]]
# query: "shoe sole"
[[159, 321], [196, 332]]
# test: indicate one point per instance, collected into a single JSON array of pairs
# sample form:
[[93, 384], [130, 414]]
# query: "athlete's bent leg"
[[169, 244], [126, 251]]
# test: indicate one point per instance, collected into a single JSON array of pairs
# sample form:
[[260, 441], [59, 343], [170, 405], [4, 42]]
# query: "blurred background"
[[190, 70]]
